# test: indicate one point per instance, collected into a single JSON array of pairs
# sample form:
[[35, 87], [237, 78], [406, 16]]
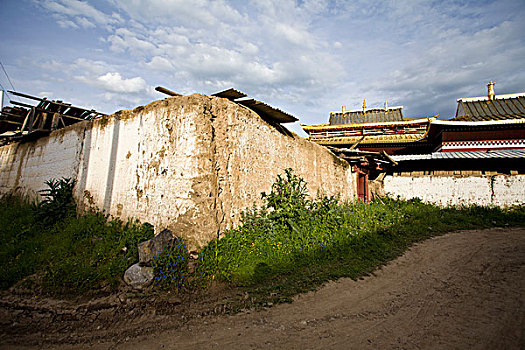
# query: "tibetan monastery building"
[[487, 134], [373, 129]]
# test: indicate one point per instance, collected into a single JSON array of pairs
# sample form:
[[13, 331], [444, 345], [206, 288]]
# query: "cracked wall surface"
[[188, 163]]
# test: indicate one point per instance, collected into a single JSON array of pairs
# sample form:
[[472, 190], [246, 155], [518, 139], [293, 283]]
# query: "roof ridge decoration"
[[344, 111], [496, 97]]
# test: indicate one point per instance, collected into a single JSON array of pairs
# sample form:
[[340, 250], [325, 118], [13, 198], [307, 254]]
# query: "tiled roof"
[[482, 108], [375, 139], [348, 126], [500, 154], [371, 115]]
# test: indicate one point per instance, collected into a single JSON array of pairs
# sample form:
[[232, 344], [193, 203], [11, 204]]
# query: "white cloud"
[[67, 24], [196, 13], [126, 40], [84, 22], [160, 63], [74, 8], [113, 82], [89, 67]]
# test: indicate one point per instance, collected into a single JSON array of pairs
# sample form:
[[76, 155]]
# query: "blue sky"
[[306, 57]]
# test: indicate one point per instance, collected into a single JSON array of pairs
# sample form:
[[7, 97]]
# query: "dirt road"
[[464, 290]]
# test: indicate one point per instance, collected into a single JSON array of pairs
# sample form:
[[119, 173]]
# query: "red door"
[[362, 186]]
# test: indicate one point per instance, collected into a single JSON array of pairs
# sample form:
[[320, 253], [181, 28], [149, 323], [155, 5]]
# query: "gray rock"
[[160, 242], [138, 277]]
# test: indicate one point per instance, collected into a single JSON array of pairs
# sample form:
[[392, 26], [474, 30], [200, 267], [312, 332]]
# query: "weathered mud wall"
[[24, 167], [495, 190], [191, 164]]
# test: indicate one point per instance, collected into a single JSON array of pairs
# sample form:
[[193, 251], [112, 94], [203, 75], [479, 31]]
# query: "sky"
[[306, 57]]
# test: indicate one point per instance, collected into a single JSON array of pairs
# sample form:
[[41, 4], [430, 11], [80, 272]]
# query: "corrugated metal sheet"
[[485, 109], [268, 111], [368, 116], [500, 154], [261, 108], [230, 94]]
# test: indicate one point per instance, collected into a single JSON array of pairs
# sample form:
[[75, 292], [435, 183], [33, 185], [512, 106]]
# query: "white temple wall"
[[495, 190]]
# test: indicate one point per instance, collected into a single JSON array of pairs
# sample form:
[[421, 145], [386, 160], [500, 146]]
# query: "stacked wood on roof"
[[26, 120]]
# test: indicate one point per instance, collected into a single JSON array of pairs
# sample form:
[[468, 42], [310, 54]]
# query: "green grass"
[[71, 255], [292, 244]]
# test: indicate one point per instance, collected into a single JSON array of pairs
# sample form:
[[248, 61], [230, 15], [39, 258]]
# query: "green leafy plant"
[[288, 194], [58, 202]]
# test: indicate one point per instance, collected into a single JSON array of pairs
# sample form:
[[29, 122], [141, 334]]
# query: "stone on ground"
[[138, 277]]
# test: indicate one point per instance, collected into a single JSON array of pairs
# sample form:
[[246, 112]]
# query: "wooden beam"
[[22, 104], [49, 102], [9, 122], [70, 117], [11, 115], [26, 96], [166, 91]]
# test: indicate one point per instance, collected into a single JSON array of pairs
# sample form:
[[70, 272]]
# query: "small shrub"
[[89, 251], [71, 254], [288, 194], [57, 203], [170, 266]]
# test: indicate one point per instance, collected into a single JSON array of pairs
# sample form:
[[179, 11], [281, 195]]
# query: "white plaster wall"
[[141, 164], [509, 190], [190, 164], [25, 167], [498, 190]]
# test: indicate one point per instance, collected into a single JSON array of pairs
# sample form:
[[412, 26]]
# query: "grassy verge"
[[290, 244], [66, 254], [365, 253]]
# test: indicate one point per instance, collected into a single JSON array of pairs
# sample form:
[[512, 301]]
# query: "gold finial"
[[343, 109], [386, 106], [491, 93], [364, 105]]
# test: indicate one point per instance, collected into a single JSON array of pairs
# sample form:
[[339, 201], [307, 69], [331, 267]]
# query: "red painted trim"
[[468, 149]]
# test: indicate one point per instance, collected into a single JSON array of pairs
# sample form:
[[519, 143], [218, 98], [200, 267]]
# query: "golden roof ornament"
[[364, 105], [386, 106], [491, 93]]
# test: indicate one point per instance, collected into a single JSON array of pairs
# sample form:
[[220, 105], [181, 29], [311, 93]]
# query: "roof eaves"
[[364, 125], [478, 123]]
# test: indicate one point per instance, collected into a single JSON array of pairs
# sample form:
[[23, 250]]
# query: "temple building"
[[487, 136], [374, 130], [483, 123]]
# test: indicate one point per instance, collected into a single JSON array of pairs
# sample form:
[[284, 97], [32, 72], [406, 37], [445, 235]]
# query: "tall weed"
[[290, 232]]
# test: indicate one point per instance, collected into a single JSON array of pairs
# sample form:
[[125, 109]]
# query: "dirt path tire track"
[[463, 290]]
